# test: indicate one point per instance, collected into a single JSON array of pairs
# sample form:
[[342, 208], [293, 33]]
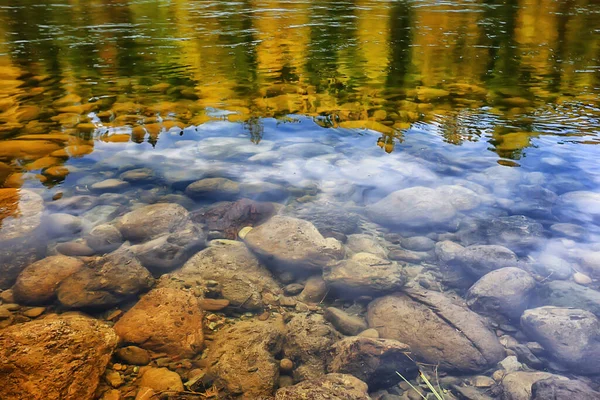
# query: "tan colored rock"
[[439, 330], [160, 379], [374, 361], [55, 358], [243, 357], [38, 282], [286, 242], [164, 320], [151, 221], [105, 281], [517, 385], [330, 386]]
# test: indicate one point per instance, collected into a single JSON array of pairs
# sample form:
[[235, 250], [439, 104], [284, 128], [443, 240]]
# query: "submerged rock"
[[569, 335], [559, 389], [170, 251], [104, 238], [243, 280], [230, 217], [151, 221], [516, 232], [518, 385], [416, 207], [295, 244], [364, 273], [164, 320], [55, 358], [345, 323], [438, 330], [213, 188], [38, 282], [161, 379], [105, 281], [361, 243], [330, 386], [374, 361], [568, 294], [479, 260], [243, 357], [505, 291], [307, 343]]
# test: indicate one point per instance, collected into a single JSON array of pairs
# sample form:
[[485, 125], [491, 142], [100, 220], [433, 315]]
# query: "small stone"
[[244, 231], [114, 315], [12, 306], [371, 333], [5, 314], [34, 312], [293, 289], [315, 290], [581, 279], [134, 355], [498, 375], [109, 185], [119, 367], [264, 316], [510, 364], [301, 307], [482, 381], [287, 301], [285, 381], [113, 378], [161, 379], [286, 365], [213, 304], [112, 394], [76, 249], [7, 296], [344, 322]]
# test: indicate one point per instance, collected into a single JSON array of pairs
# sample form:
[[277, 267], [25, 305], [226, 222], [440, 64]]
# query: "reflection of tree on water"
[[255, 128]]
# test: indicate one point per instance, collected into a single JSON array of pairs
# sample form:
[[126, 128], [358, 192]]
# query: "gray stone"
[[104, 238], [151, 221], [446, 251], [295, 244], [516, 232], [361, 243], [105, 282], [478, 260], [109, 185], [568, 294], [345, 323], [315, 290], [571, 336], [553, 267], [418, 243], [138, 175], [559, 389], [517, 385], [60, 224], [505, 291], [438, 330], [364, 273], [213, 188]]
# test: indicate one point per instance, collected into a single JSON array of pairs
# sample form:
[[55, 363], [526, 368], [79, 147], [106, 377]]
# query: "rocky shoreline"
[[172, 297]]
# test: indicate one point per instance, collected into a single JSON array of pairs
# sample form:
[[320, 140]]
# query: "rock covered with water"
[[308, 340], [561, 389], [506, 291], [104, 238], [518, 385], [570, 335], [230, 217], [438, 329], [243, 357], [148, 222], [516, 232], [105, 281], [213, 188], [19, 243], [374, 361], [242, 279], [568, 294], [171, 250], [164, 320], [478, 260], [421, 207], [346, 323], [294, 244], [330, 386], [38, 282], [56, 358], [364, 273]]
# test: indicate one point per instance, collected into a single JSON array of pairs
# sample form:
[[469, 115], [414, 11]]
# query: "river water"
[[453, 143]]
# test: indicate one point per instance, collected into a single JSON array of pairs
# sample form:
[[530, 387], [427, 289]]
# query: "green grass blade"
[[430, 386], [410, 384]]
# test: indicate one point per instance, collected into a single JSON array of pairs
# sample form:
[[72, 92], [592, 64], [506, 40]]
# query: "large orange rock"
[[164, 320], [55, 358]]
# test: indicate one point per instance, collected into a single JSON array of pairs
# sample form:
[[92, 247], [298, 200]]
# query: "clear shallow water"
[[325, 108]]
